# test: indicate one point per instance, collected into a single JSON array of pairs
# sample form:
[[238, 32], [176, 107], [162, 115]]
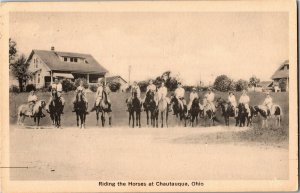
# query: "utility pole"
[[129, 73]]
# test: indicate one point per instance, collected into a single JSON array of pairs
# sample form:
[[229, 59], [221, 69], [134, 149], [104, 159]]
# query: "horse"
[[276, 112], [37, 112], [208, 114], [178, 110], [55, 109], [134, 107], [227, 110], [163, 109], [103, 107], [151, 107], [243, 115], [80, 110], [194, 111]]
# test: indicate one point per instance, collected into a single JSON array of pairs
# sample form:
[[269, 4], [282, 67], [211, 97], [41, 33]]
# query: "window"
[[75, 59], [71, 59], [39, 78], [65, 59]]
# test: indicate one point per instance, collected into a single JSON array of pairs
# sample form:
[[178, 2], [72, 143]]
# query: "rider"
[[151, 87], [179, 94], [244, 99], [81, 89], [193, 96], [32, 98], [99, 95], [162, 93], [232, 101], [210, 97], [58, 87], [268, 103], [135, 89]]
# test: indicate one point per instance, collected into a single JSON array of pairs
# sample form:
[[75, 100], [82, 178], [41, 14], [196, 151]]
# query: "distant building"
[[264, 86], [44, 65], [118, 79], [281, 77]]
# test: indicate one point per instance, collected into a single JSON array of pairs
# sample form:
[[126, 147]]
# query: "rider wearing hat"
[[232, 101], [193, 96], [136, 89], [151, 87], [245, 99], [99, 95], [179, 94], [57, 86], [32, 98], [81, 89], [210, 97], [162, 93], [268, 103]]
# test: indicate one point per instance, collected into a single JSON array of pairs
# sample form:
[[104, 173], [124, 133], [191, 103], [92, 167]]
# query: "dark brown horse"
[[80, 110], [151, 108], [194, 112], [178, 110], [55, 109], [134, 108], [227, 111]]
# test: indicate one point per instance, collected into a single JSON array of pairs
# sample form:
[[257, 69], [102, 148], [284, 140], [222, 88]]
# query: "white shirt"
[[151, 87], [32, 98], [193, 96], [244, 99], [210, 97], [99, 91], [137, 89], [179, 92], [162, 92], [268, 101], [57, 86], [232, 100]]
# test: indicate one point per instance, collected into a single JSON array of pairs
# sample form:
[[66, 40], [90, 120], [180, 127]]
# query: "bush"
[[85, 84], [114, 86], [30, 87], [68, 85], [223, 83], [188, 88], [93, 87], [241, 85], [14, 89]]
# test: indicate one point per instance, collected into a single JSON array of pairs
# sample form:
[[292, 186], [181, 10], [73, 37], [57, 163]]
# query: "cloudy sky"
[[197, 46]]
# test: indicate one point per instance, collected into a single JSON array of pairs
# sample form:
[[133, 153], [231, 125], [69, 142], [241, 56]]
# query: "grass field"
[[120, 118]]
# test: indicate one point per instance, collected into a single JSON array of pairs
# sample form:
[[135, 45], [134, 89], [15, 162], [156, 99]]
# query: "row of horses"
[[154, 109], [197, 110]]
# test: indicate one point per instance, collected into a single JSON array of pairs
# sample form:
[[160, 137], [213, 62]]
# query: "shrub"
[[241, 85], [93, 87], [85, 84], [114, 86], [68, 85], [30, 87], [188, 88], [14, 89], [223, 83]]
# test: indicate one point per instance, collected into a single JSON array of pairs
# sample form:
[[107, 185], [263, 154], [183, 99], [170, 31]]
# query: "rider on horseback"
[[179, 94], [32, 98], [233, 103], [56, 86], [193, 96], [99, 96], [268, 103], [80, 89], [151, 87], [135, 89], [162, 93], [244, 99], [210, 97]]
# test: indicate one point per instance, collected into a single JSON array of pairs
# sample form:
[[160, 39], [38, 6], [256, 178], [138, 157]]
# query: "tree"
[[253, 81], [241, 85], [12, 51], [19, 69], [282, 83], [223, 83]]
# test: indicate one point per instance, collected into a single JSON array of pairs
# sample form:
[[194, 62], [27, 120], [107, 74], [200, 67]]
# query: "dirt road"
[[142, 154]]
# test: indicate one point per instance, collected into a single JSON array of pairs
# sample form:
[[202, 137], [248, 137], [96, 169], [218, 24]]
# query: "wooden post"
[[88, 78], [51, 79]]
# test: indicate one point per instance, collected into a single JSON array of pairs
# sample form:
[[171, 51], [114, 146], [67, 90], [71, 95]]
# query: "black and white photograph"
[[172, 98]]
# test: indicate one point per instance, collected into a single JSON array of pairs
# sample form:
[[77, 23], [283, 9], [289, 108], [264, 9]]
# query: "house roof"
[[281, 73], [52, 60], [265, 84], [111, 78]]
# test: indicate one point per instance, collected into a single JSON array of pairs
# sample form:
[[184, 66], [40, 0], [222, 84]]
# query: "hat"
[[179, 83], [193, 88]]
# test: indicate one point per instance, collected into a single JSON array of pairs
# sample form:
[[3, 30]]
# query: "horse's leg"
[[103, 119], [133, 119], [140, 119], [137, 119], [162, 119], [77, 119], [148, 118], [129, 118], [38, 121], [97, 117]]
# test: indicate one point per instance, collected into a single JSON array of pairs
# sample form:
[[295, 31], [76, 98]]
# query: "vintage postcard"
[[149, 96]]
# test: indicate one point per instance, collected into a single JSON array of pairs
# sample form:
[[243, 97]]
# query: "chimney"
[[52, 48]]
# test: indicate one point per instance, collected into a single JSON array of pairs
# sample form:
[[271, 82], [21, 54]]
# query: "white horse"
[[24, 109], [275, 113]]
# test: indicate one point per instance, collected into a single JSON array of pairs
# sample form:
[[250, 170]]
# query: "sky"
[[193, 45]]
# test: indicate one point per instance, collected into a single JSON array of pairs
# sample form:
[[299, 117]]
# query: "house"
[[264, 86], [281, 77], [118, 79], [44, 65]]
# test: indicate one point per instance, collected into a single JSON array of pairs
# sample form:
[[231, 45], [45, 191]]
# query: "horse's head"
[[43, 104], [54, 93], [79, 96]]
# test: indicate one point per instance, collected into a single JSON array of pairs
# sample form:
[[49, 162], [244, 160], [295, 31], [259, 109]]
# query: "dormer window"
[[71, 59], [65, 59]]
